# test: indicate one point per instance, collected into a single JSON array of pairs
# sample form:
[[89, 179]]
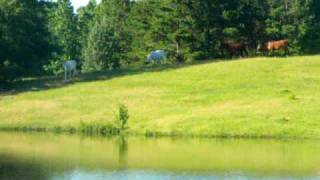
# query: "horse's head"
[[149, 59], [259, 47], [262, 46]]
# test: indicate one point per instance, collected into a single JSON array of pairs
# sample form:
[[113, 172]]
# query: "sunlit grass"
[[259, 97]]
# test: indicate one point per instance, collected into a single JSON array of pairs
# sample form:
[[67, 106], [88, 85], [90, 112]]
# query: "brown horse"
[[236, 49], [271, 46]]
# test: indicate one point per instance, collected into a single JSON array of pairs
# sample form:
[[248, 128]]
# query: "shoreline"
[[147, 134]]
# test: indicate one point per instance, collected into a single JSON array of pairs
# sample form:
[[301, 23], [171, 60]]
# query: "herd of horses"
[[234, 49], [241, 48]]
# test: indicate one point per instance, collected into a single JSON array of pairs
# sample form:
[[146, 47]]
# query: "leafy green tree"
[[310, 42], [24, 41], [290, 20], [117, 11], [63, 26], [142, 16], [109, 41], [102, 50], [208, 25], [170, 29], [85, 20], [37, 33]]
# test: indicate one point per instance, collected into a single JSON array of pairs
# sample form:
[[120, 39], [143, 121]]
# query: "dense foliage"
[[24, 38], [64, 32], [38, 35]]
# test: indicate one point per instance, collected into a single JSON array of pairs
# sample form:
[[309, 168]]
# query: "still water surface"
[[54, 157]]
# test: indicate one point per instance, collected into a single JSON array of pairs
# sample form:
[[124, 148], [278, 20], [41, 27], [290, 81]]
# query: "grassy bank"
[[273, 97]]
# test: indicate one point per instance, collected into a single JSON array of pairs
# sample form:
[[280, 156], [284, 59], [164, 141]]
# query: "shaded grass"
[[259, 97]]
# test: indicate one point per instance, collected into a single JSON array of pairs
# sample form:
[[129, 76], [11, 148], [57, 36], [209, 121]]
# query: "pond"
[[51, 156]]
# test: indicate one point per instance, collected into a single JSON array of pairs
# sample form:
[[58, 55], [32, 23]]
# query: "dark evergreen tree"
[[24, 42]]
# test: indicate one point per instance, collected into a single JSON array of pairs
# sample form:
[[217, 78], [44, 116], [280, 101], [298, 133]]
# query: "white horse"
[[157, 56], [70, 69]]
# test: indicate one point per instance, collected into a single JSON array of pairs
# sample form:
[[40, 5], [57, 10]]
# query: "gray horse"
[[70, 69], [157, 56]]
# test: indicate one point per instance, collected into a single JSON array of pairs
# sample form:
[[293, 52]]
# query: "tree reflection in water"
[[123, 152]]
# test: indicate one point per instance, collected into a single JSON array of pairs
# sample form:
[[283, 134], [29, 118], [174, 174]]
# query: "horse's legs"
[[71, 74], [65, 75], [274, 55], [241, 54], [271, 53], [68, 75], [246, 52], [266, 53], [286, 51]]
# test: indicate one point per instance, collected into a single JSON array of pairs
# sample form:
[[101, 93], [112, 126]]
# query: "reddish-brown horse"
[[236, 49], [271, 46]]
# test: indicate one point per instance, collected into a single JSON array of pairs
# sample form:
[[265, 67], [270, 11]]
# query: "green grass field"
[[259, 97]]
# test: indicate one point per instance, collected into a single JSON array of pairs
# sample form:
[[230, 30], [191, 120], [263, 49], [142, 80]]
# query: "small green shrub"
[[123, 116]]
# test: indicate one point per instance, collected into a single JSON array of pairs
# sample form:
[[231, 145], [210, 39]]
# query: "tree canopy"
[[38, 36]]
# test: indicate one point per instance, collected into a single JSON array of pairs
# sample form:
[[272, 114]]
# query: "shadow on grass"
[[53, 82]]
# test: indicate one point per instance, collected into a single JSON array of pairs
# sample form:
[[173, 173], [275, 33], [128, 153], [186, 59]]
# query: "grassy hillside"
[[274, 97]]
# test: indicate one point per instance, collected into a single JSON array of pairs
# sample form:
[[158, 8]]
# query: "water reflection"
[[16, 169], [49, 156], [123, 152]]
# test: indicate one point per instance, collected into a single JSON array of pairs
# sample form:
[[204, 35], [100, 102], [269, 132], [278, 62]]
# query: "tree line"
[[38, 36]]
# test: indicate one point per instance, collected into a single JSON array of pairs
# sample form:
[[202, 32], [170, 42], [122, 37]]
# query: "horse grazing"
[[271, 46], [236, 49], [70, 69], [157, 56]]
